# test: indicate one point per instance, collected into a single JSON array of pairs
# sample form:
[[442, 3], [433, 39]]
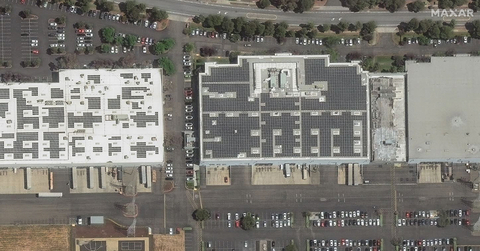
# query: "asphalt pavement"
[[188, 9]]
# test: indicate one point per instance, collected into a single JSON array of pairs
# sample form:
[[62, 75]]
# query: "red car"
[[22, 1], [80, 31], [35, 51], [467, 222], [467, 212], [237, 223]]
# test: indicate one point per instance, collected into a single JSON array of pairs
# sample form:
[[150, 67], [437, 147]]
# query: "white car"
[[112, 50], [89, 34], [188, 117], [124, 49], [53, 45], [116, 49], [187, 63], [53, 24], [144, 49], [154, 25], [61, 45], [229, 215], [81, 45], [146, 23]]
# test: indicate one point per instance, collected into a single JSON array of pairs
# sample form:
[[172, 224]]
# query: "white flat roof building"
[[442, 108], [89, 117]]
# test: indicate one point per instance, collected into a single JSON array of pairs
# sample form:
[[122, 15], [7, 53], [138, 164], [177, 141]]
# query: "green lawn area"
[[384, 62], [190, 184]]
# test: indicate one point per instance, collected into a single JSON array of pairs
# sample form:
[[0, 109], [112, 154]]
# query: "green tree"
[[424, 25], [188, 47], [169, 43], [446, 32], [212, 21], [239, 23], [108, 34], [158, 15], [367, 30], [260, 29], [26, 13], [443, 220], [369, 64], [301, 33], [356, 5], [199, 214], [342, 26], [159, 48], [331, 41], [269, 28], [290, 33], [310, 26], [280, 32], [248, 222], [234, 38], [304, 5], [325, 27], [130, 40], [118, 40], [358, 26], [393, 5], [452, 23], [169, 69], [291, 247], [416, 6], [227, 25], [104, 5], [199, 19], [105, 48], [35, 62], [60, 20], [475, 29], [262, 4], [412, 25], [312, 34], [249, 29]]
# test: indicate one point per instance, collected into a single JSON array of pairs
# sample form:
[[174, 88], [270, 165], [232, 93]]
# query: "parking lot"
[[30, 39], [265, 220], [5, 38]]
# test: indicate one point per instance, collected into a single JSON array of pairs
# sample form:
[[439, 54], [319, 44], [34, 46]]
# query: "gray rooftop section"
[[3, 109], [114, 103], [54, 149], [443, 110], [4, 93], [127, 92], [17, 149], [55, 116], [287, 109], [87, 119], [56, 93], [94, 103]]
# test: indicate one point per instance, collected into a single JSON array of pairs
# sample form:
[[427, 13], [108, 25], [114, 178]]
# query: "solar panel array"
[[263, 126]]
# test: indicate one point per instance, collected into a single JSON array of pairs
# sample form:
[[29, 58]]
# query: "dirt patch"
[[162, 25], [33, 238], [166, 242], [168, 186]]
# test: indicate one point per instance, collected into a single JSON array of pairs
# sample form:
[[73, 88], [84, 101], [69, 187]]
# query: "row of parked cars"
[[187, 65], [209, 34], [59, 35], [84, 37], [319, 41], [347, 222], [436, 42], [354, 214], [345, 243], [427, 243]]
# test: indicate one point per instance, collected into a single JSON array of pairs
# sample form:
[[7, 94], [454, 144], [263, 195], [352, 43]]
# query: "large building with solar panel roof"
[[89, 117], [284, 109]]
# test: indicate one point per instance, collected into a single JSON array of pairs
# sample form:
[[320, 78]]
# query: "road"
[[383, 18]]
